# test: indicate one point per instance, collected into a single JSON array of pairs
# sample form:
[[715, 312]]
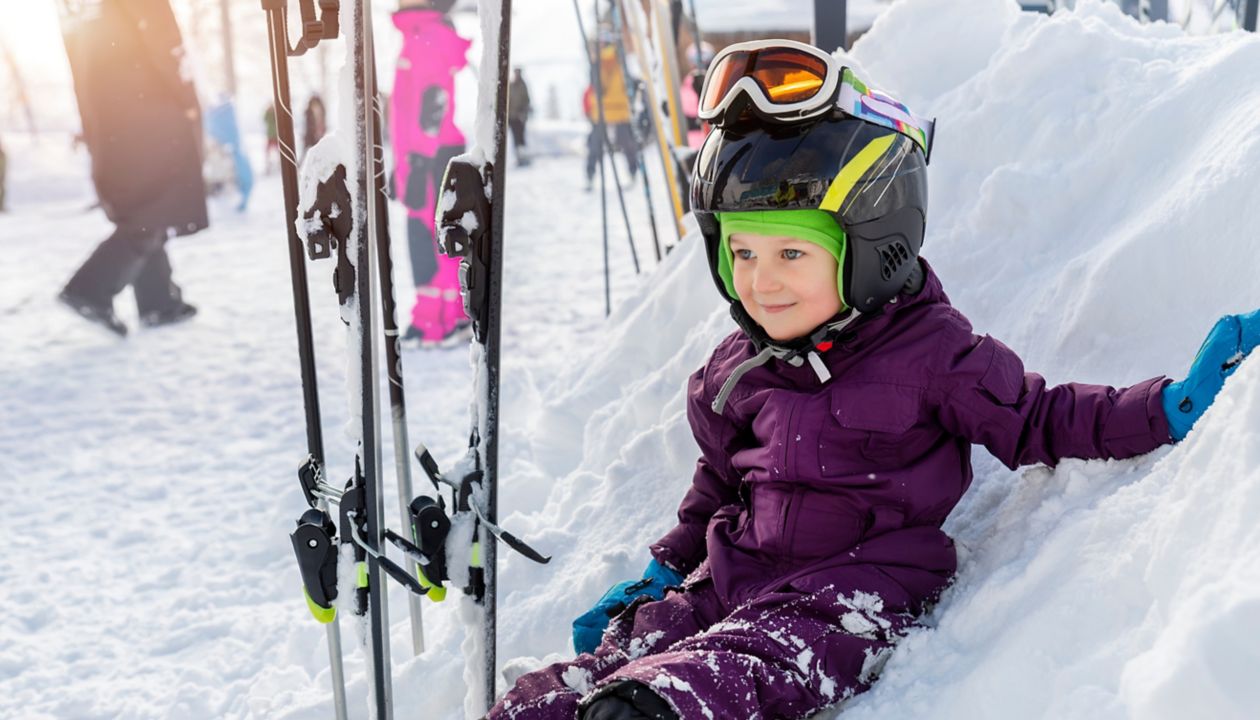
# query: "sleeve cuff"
[[1137, 423], [680, 550]]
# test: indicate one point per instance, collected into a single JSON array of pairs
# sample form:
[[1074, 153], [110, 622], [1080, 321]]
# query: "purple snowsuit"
[[812, 530]]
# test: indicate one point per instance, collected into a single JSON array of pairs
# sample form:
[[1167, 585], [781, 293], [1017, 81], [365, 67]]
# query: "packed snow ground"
[[1092, 206]]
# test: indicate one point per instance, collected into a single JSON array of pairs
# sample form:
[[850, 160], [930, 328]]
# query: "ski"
[[470, 227], [667, 50], [362, 517]]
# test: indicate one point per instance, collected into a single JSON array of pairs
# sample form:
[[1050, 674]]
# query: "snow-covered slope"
[[1092, 206]]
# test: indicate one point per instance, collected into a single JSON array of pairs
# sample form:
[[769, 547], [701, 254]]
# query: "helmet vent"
[[892, 256]]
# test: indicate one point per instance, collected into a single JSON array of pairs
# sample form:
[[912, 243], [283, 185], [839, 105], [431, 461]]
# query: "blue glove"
[[590, 625], [1232, 339]]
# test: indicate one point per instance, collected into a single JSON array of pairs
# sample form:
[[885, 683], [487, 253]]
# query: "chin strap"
[[820, 340]]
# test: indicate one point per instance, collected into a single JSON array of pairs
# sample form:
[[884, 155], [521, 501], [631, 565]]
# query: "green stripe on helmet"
[[853, 171]]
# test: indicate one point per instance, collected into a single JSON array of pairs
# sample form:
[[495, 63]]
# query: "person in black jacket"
[[142, 126], [519, 110], [316, 122]]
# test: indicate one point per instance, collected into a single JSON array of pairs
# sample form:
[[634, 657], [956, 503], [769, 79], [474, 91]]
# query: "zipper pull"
[[820, 368]]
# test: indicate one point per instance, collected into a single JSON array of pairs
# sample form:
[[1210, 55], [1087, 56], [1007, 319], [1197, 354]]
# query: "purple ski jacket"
[[802, 484]]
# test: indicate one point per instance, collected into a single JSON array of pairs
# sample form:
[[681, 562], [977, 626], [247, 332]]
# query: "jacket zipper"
[[785, 519]]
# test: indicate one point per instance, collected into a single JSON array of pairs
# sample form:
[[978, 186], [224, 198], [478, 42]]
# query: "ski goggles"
[[787, 81]]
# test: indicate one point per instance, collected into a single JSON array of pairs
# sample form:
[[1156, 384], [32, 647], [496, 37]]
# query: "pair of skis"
[[348, 218]]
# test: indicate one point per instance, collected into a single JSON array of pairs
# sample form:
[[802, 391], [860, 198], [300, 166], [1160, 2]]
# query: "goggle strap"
[[861, 102]]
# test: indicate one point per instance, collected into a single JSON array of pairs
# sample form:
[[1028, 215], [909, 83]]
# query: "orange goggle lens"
[[785, 75]]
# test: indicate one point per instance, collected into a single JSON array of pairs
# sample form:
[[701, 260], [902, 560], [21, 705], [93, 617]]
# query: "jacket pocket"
[[820, 525], [1004, 377], [883, 519], [874, 419]]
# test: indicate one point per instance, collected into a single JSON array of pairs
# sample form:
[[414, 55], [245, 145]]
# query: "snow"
[[1092, 206]]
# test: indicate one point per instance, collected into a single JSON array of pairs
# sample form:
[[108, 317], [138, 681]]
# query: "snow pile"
[[1090, 208], [1101, 589]]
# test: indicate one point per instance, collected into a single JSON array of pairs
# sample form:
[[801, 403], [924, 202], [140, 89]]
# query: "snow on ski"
[[471, 227]]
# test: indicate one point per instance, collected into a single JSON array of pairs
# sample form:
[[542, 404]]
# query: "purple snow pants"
[[783, 654]]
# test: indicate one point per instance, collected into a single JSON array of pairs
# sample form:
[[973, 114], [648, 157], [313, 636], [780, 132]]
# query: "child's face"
[[787, 285]]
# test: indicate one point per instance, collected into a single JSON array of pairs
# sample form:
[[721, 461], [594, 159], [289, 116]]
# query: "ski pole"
[[603, 133], [393, 359], [615, 13], [601, 140], [608, 148], [277, 34]]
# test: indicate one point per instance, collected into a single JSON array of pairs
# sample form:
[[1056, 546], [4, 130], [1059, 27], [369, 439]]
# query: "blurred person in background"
[[142, 127], [616, 106], [316, 122], [689, 92], [226, 162], [424, 138], [273, 139], [519, 110]]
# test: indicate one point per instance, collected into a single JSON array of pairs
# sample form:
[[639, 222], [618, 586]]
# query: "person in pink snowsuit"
[[690, 94], [422, 123]]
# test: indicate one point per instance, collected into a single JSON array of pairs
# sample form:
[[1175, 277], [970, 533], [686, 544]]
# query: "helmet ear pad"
[[711, 231], [882, 255]]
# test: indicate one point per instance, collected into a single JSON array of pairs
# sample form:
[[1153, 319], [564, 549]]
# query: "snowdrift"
[[1091, 206]]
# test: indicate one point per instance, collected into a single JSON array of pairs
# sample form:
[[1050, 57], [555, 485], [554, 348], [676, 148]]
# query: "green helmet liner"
[[814, 226]]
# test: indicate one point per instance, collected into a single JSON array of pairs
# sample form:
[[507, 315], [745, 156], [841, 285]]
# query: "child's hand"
[[1232, 339], [589, 627]]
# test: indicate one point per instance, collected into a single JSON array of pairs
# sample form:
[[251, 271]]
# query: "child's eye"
[[743, 254], [790, 254]]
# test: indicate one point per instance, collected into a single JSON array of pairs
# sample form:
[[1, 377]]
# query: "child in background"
[[424, 138], [835, 426]]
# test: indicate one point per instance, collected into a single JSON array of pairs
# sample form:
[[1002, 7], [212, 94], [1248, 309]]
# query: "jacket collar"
[[849, 331]]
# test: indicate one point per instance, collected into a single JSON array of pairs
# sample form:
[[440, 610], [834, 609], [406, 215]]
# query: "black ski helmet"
[[870, 178]]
